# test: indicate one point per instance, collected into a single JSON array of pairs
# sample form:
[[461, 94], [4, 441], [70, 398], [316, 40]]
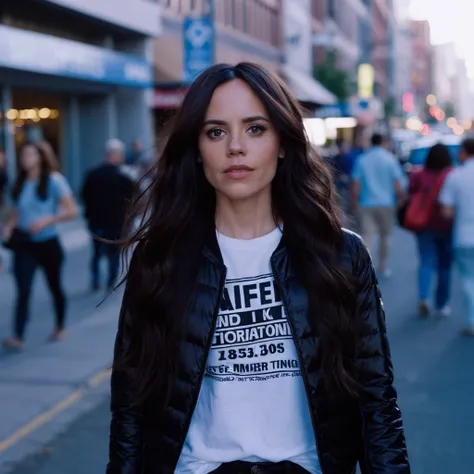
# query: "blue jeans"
[[435, 251], [465, 263]]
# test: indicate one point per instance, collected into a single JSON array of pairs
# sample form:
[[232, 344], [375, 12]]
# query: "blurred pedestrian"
[[3, 190], [134, 157], [42, 198], [106, 194], [376, 188], [435, 243], [252, 334], [350, 158], [341, 179], [457, 198]]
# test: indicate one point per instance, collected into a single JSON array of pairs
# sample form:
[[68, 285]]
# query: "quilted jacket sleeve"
[[384, 444], [125, 444]]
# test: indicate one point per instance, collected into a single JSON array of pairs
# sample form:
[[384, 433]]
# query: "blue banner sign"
[[198, 43], [340, 109], [44, 54]]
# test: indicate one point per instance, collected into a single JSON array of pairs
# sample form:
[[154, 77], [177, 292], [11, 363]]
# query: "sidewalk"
[[40, 384], [74, 234]]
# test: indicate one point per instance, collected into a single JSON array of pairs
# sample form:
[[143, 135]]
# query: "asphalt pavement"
[[433, 368]]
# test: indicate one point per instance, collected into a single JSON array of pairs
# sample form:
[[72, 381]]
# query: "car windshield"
[[418, 155]]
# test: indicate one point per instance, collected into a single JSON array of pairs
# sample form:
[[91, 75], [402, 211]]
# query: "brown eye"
[[215, 133], [256, 129]]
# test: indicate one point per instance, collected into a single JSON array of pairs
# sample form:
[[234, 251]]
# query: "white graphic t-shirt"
[[252, 405]]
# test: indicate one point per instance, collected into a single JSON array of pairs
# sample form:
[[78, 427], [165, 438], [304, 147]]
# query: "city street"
[[95, 94], [433, 367]]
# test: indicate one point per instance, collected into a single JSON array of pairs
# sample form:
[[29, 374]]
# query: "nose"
[[236, 145]]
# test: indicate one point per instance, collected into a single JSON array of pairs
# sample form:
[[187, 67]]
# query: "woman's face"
[[239, 146], [29, 158]]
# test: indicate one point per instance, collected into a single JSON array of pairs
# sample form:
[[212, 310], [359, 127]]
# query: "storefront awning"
[[28, 51], [307, 89]]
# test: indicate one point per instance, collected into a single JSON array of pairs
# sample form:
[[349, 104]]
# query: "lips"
[[237, 168], [238, 172]]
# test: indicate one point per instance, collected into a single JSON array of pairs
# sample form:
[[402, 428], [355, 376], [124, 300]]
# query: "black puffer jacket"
[[368, 431]]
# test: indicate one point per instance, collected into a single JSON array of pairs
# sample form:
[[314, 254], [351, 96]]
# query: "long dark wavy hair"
[[179, 213], [48, 165]]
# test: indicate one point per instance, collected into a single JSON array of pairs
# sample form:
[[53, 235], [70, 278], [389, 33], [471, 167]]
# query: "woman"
[[252, 335], [42, 198], [435, 243]]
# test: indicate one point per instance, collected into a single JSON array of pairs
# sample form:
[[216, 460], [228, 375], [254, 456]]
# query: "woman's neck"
[[33, 174], [245, 219]]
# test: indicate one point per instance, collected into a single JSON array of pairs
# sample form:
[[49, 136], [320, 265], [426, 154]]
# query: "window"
[[257, 18]]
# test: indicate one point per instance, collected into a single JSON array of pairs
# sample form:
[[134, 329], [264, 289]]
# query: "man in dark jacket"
[[106, 194]]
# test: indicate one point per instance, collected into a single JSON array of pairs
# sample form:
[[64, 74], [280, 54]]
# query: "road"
[[434, 377]]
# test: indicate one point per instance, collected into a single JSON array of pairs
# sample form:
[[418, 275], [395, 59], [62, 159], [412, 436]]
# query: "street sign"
[[198, 43], [341, 109]]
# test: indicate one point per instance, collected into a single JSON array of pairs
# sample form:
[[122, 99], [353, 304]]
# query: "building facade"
[[401, 55], [339, 27], [297, 35], [244, 30], [356, 32], [75, 74], [422, 61], [297, 68], [461, 91], [445, 67], [380, 46]]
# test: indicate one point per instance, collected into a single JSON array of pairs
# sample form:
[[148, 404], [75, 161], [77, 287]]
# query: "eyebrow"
[[254, 118]]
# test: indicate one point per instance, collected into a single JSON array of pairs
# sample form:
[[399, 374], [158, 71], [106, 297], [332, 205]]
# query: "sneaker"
[[444, 312], [13, 344], [57, 335], [468, 331], [424, 308]]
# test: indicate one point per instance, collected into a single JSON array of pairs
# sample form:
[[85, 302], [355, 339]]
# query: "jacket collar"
[[211, 248]]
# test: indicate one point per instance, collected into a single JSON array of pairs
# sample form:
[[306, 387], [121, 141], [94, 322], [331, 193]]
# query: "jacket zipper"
[[300, 360], [208, 348]]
